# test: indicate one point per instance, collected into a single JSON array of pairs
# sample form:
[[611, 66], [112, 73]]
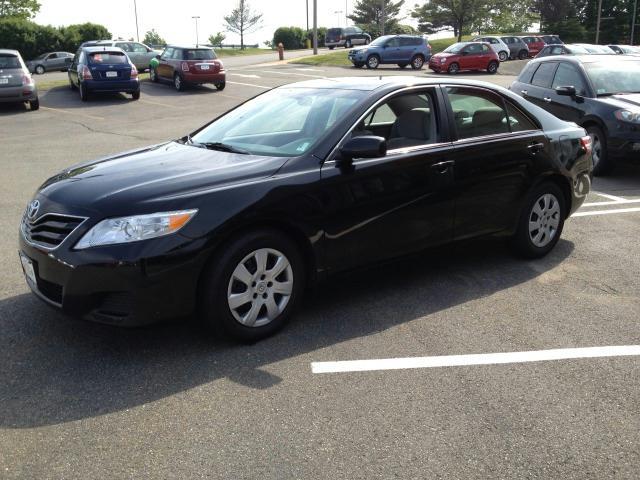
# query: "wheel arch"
[[563, 183]]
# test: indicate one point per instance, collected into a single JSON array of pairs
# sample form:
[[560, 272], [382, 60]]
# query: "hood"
[[445, 55], [144, 177], [623, 100]]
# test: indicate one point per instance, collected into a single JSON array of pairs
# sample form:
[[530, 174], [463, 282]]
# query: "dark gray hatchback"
[[16, 84]]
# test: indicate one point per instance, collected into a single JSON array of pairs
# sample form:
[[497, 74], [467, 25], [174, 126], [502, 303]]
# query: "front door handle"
[[443, 167], [547, 99], [535, 147]]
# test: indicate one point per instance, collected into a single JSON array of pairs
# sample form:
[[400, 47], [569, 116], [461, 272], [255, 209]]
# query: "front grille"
[[50, 230]]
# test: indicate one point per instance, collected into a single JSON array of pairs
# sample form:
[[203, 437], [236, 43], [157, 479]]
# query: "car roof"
[[8, 51], [586, 58], [102, 48], [190, 47], [374, 83]]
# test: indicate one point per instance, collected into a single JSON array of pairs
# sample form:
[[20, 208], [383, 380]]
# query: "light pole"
[[339, 13], [306, 3], [315, 27], [598, 21], [196, 19], [633, 20], [135, 11]]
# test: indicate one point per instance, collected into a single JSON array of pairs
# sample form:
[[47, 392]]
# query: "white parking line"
[[292, 73], [242, 75], [309, 69], [606, 212], [476, 359], [250, 85], [616, 202], [610, 197]]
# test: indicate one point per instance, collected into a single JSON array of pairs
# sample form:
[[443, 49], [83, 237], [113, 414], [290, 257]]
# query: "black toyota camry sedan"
[[235, 219]]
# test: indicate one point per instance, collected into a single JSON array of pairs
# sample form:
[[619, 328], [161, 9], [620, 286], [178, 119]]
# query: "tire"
[[178, 83], [541, 221], [373, 62], [347, 44], [220, 86], [34, 104], [84, 96], [332, 47], [492, 68], [153, 75], [135, 95], [417, 62], [234, 273], [503, 56], [453, 68], [39, 69], [602, 164], [402, 65], [523, 55]]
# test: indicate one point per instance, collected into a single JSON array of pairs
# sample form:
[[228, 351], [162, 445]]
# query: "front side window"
[[477, 112], [567, 75], [138, 48], [544, 74], [168, 53], [284, 122], [394, 42]]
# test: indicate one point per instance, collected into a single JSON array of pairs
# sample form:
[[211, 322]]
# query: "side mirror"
[[158, 57], [566, 91], [68, 60], [362, 147]]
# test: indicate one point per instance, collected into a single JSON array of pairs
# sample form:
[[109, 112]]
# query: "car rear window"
[[108, 58], [202, 54], [8, 60]]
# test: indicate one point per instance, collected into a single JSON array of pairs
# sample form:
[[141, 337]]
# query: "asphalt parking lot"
[[81, 400]]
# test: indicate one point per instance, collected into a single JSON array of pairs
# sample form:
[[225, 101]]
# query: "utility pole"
[[135, 11], [306, 3], [598, 21], [315, 27], [346, 13], [196, 19], [383, 14], [633, 20]]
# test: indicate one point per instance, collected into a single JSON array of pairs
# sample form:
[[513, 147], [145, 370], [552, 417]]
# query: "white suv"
[[497, 45]]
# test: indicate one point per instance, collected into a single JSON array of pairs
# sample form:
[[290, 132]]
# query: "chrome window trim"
[[43, 247]]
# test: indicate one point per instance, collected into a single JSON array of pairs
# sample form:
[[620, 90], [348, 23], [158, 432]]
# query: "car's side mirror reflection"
[[367, 146]]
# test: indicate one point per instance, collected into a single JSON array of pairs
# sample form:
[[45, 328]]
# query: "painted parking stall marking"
[[474, 359], [593, 208]]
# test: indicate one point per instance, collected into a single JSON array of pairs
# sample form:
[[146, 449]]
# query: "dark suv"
[[598, 92], [346, 37], [185, 66]]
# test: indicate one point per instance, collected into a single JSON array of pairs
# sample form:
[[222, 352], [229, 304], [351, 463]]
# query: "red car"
[[535, 44], [184, 66], [465, 56]]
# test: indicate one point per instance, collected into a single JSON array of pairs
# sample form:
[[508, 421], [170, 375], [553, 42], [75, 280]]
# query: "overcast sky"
[[172, 20]]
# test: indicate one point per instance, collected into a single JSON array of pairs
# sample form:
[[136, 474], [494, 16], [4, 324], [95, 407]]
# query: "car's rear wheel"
[[84, 95], [40, 70], [453, 68], [153, 75], [250, 290], [503, 56], [602, 164], [523, 54], [136, 95], [541, 221], [178, 83], [220, 86], [332, 47], [417, 62], [347, 44], [34, 104], [373, 62], [492, 67]]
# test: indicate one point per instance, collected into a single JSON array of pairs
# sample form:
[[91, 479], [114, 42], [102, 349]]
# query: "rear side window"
[[108, 58], [527, 73], [518, 121], [200, 54], [477, 112], [544, 74], [9, 61]]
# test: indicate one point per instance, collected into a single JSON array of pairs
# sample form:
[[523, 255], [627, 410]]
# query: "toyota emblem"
[[32, 211]]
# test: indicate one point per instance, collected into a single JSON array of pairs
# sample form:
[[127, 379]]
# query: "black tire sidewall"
[[377, 64], [605, 165], [451, 71], [413, 66], [521, 240], [214, 308]]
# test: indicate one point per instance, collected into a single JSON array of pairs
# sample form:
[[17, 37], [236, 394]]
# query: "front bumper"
[[18, 94], [126, 285]]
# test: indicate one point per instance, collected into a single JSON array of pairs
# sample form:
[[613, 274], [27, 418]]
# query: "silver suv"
[[16, 84], [139, 54]]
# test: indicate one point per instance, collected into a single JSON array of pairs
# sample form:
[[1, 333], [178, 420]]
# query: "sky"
[[172, 20]]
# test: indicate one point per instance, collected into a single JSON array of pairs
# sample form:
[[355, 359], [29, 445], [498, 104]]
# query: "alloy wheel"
[[596, 148], [177, 81], [503, 56], [373, 62], [544, 220], [260, 287]]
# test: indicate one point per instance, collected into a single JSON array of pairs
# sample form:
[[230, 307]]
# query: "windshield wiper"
[[223, 147]]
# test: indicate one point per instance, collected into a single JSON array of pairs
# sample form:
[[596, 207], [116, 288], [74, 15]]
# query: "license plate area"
[[4, 81], [27, 268], [112, 74]]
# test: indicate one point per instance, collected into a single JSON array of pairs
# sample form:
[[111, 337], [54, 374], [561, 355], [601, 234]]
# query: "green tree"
[[459, 15], [153, 38], [243, 20], [74, 35], [292, 38], [369, 15], [24, 9], [217, 39], [508, 16]]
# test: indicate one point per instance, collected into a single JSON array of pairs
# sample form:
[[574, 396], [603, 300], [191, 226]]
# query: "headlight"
[[135, 228], [443, 60], [364, 50], [627, 116]]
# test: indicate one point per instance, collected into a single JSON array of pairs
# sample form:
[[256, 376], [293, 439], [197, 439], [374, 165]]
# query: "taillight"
[[27, 80], [585, 143], [86, 73], [134, 71], [185, 67]]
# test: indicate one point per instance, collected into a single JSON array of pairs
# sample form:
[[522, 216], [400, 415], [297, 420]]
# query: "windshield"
[[40, 57], [378, 42], [577, 50], [614, 76], [285, 122], [455, 48]]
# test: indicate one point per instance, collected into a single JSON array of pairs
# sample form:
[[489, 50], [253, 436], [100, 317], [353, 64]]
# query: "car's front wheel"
[[40, 70], [492, 67], [373, 62], [347, 44], [602, 164], [541, 221], [453, 68], [252, 287]]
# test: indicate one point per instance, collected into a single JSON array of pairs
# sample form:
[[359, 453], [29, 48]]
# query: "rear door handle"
[[443, 167], [547, 99]]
